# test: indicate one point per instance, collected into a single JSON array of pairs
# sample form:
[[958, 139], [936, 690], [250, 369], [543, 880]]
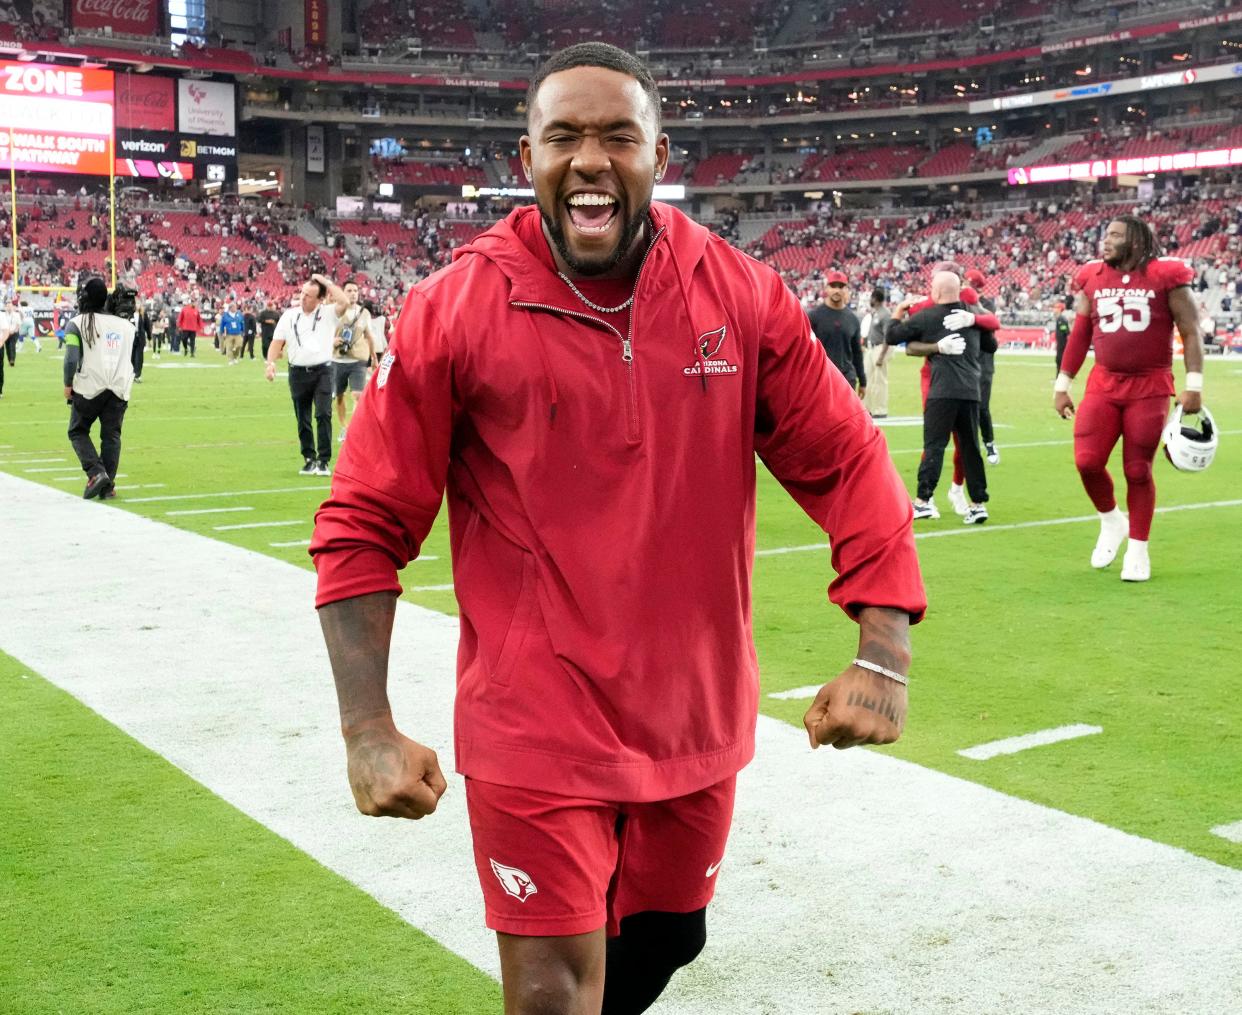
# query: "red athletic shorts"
[[555, 865]]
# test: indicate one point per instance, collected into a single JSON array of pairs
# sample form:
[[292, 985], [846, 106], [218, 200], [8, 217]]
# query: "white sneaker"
[[993, 454], [1136, 565], [927, 510], [976, 514], [957, 500], [1114, 527]]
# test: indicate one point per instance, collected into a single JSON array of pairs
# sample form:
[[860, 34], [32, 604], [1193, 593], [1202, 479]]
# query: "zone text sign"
[[55, 119]]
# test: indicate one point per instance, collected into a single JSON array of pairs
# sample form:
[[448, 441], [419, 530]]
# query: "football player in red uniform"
[[1126, 306]]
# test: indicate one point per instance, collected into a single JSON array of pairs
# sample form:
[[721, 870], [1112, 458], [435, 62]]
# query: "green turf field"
[[1022, 635]]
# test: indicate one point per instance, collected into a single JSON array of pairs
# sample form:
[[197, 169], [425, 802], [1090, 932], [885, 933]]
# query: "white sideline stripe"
[[968, 530], [52, 468], [797, 693], [431, 588], [260, 525], [30, 461], [947, 898], [206, 511], [1232, 832], [1012, 745], [293, 542], [80, 475], [231, 493], [142, 486]]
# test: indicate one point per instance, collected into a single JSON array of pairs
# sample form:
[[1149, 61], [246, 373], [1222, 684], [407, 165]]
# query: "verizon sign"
[[133, 17], [206, 107]]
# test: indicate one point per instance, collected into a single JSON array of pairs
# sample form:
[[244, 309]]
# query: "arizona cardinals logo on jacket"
[[515, 882], [710, 345]]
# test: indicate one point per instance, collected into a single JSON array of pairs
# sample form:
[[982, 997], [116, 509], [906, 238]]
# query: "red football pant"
[[1099, 423]]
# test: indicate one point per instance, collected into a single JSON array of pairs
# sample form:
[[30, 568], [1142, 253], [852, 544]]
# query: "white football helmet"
[[1190, 449]]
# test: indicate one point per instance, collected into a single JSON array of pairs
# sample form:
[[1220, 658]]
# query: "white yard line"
[[854, 881], [1040, 738], [968, 530], [431, 588], [142, 486], [52, 468], [30, 461], [79, 476], [230, 493], [292, 542], [261, 525], [1232, 832], [206, 511]]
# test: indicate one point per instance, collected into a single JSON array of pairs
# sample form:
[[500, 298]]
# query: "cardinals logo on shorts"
[[712, 361], [515, 882]]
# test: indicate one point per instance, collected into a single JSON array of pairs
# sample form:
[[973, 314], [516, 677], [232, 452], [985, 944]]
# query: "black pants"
[[311, 388], [10, 349], [1062, 341], [140, 346], [267, 344], [248, 343], [985, 409], [942, 417], [157, 340], [1, 373], [110, 411], [188, 338]]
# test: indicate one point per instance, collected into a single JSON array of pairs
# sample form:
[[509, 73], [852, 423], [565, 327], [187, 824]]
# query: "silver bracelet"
[[882, 670]]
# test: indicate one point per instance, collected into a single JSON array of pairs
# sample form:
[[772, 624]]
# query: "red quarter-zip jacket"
[[601, 503]]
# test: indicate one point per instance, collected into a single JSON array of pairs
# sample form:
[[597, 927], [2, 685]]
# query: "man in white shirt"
[[309, 330]]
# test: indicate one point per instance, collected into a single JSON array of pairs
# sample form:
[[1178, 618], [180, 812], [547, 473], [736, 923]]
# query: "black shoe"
[[308, 468], [110, 494], [97, 486]]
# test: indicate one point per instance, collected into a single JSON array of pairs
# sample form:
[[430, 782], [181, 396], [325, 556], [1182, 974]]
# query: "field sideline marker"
[[292, 542], [259, 525], [1012, 745], [968, 530], [231, 493], [1232, 832], [207, 511]]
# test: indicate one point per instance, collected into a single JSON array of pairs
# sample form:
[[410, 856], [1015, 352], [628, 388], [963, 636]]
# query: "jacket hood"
[[680, 239]]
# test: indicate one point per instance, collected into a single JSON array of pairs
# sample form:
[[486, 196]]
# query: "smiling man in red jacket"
[[591, 381]]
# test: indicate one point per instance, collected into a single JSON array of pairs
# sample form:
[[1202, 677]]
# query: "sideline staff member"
[[98, 374], [309, 330]]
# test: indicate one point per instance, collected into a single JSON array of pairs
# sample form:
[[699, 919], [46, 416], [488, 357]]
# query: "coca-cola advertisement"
[[128, 17], [145, 102]]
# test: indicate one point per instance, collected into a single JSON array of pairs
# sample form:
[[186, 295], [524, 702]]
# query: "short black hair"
[[350, 281], [596, 54], [323, 289], [879, 296]]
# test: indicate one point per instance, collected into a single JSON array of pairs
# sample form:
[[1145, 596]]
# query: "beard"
[[629, 233], [1121, 254]]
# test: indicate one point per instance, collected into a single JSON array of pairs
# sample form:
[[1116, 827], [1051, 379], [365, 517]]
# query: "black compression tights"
[[642, 959]]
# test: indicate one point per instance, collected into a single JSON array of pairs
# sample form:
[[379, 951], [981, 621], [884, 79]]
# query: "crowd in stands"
[[218, 251]]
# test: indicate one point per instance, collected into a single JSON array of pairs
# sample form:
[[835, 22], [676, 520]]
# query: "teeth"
[[592, 199]]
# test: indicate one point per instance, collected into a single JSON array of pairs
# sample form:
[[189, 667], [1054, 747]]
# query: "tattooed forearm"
[[358, 633], [881, 704], [374, 758], [884, 638]]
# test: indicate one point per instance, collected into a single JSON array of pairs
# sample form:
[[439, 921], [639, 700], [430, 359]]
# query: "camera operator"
[[98, 376]]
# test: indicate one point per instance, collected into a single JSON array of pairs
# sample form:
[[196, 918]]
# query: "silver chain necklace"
[[595, 306]]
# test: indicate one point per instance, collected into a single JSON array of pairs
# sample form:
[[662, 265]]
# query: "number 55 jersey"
[[1131, 322]]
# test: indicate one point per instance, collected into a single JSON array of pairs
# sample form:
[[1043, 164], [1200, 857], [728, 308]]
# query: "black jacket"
[[951, 376]]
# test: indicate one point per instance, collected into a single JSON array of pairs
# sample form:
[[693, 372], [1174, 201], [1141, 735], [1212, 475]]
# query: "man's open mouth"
[[592, 213]]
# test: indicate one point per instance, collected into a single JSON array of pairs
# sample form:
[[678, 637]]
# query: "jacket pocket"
[[524, 611]]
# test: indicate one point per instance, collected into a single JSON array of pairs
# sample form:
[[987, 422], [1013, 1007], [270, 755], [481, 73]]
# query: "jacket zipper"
[[633, 431]]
